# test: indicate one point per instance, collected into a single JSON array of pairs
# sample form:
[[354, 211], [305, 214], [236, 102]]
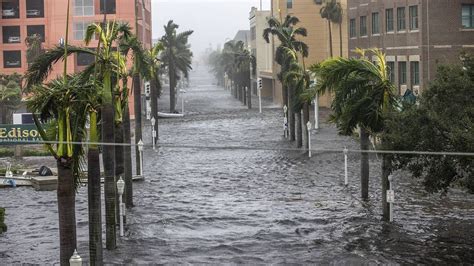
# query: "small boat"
[[15, 181], [168, 115]]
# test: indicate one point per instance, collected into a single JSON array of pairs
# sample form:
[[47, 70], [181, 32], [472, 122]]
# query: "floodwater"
[[247, 206]]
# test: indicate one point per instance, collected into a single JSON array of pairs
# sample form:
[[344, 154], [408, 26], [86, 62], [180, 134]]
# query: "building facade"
[[415, 35], [308, 12], [262, 52], [47, 18]]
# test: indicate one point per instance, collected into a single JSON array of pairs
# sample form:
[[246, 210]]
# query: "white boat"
[[168, 115], [16, 181]]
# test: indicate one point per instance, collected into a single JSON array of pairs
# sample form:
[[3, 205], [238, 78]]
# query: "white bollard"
[[260, 99], [285, 121], [140, 149], [120, 190], [308, 126], [346, 177], [153, 131], [75, 259], [390, 197]]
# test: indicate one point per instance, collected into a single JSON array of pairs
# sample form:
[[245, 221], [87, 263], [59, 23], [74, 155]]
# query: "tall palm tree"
[[363, 96], [10, 98], [288, 50], [332, 12], [155, 83], [34, 47], [176, 56]]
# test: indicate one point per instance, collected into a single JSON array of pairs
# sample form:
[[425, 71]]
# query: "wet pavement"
[[251, 206]]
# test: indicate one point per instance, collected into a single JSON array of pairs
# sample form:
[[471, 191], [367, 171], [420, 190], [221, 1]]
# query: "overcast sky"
[[212, 20]]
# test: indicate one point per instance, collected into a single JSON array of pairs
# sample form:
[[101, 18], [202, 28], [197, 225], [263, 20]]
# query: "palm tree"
[[155, 83], [176, 57], [285, 53], [363, 96], [332, 12], [34, 47], [10, 97]]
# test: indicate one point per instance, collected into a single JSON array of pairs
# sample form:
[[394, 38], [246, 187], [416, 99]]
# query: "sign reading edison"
[[15, 134]]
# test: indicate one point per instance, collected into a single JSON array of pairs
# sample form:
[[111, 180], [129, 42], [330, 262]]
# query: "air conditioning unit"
[[403, 89]]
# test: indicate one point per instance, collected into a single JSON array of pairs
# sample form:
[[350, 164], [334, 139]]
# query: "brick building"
[[416, 35]]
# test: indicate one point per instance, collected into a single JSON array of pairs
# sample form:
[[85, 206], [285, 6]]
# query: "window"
[[34, 8], [468, 16], [107, 6], [11, 34], [391, 71], [401, 25], [352, 28], [413, 17], [415, 73], [375, 23], [10, 9], [363, 26], [402, 73], [36, 29], [11, 59], [289, 3], [83, 7], [79, 30], [84, 59], [389, 20]]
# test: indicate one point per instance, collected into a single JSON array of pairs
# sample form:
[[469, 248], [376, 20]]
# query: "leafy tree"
[[442, 121], [10, 96], [155, 83], [176, 56], [287, 52], [363, 97], [332, 11]]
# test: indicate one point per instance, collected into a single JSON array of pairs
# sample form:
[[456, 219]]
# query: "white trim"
[[376, 34], [352, 8], [468, 46], [402, 48], [402, 31], [442, 46], [466, 29], [401, 58], [415, 31], [414, 58], [365, 4]]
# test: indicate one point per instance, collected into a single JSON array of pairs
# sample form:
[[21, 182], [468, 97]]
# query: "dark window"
[[375, 23], [415, 73], [391, 71], [36, 29], [467, 16], [402, 73], [363, 26], [401, 25], [34, 8], [413, 17], [389, 20], [352, 28], [11, 59], [11, 34], [289, 3], [84, 59], [318, 2], [10, 9], [107, 6]]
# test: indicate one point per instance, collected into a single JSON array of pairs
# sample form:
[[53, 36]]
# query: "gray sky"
[[212, 20]]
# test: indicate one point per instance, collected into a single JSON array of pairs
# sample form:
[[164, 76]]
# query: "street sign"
[[390, 196], [14, 134]]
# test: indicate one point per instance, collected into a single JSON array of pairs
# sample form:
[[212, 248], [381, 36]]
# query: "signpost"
[[18, 134]]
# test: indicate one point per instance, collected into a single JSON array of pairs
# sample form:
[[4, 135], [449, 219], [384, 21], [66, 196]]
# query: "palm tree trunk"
[[66, 209], [340, 39], [330, 39], [108, 158], [94, 194], [172, 75], [299, 131], [386, 162], [249, 96], [364, 164], [244, 95], [154, 104], [127, 156], [305, 121], [291, 116], [119, 163], [137, 93]]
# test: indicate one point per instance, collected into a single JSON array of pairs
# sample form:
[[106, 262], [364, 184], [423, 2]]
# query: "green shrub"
[[3, 226]]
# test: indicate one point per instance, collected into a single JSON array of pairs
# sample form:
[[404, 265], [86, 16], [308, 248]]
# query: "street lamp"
[[75, 260], [120, 189], [308, 126], [390, 196], [182, 100], [316, 103], [153, 131], [285, 121], [346, 177], [140, 149]]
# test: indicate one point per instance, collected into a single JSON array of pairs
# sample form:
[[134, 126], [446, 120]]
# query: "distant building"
[[416, 35], [262, 52], [243, 36], [47, 18]]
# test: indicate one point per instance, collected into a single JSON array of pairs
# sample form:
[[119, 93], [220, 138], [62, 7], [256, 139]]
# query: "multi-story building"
[[308, 12], [262, 51], [415, 35], [22, 18]]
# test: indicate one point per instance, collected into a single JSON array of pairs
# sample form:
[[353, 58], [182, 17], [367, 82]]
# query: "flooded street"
[[251, 206]]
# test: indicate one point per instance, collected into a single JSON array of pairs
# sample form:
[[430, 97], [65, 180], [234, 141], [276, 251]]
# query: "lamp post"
[[75, 259], [140, 149], [308, 126], [390, 196], [285, 121], [316, 112], [182, 92], [120, 189], [346, 177], [153, 131]]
